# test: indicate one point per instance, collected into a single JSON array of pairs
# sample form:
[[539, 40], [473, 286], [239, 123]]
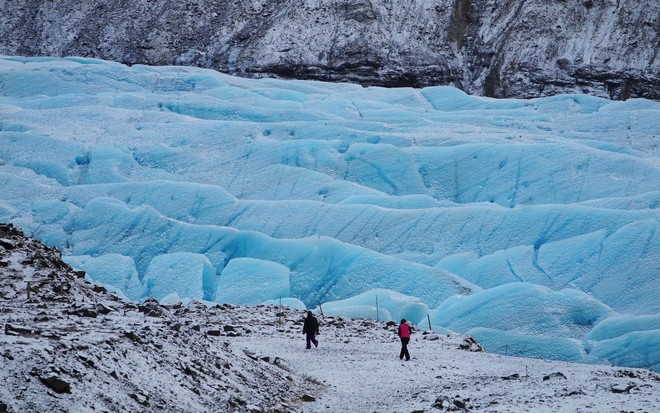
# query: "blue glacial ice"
[[112, 270], [531, 224], [618, 326], [523, 308], [515, 344], [249, 281], [636, 349], [187, 274], [381, 304]]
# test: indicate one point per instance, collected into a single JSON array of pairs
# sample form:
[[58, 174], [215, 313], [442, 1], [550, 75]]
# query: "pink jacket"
[[404, 330]]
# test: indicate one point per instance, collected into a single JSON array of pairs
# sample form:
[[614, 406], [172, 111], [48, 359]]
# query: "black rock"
[[132, 336], [11, 330], [470, 344], [103, 309], [441, 403], [558, 375], [7, 244], [85, 312], [55, 383], [140, 397], [622, 388], [151, 307], [188, 370]]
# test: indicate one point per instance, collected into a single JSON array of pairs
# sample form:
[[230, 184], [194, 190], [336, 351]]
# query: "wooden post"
[[321, 308], [28, 289], [377, 310], [428, 317]]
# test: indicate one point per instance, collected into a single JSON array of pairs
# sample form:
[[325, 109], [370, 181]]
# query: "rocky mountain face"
[[498, 48]]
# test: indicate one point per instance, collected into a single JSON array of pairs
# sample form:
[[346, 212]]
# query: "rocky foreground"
[[69, 345]]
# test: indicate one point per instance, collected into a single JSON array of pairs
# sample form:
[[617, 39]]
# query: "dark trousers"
[[311, 338], [404, 348]]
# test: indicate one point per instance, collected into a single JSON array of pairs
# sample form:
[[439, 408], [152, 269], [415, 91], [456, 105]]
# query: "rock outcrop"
[[495, 48], [70, 345]]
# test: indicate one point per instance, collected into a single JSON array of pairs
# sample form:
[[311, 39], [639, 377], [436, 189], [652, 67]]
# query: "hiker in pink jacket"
[[404, 334]]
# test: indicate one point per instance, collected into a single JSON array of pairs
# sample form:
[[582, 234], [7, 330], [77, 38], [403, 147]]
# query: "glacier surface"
[[531, 224]]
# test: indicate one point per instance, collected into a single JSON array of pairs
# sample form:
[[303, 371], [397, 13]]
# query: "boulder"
[[55, 383]]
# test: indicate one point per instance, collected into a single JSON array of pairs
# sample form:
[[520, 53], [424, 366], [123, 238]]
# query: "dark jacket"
[[311, 325]]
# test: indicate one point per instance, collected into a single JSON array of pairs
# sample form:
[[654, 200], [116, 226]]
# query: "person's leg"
[[309, 340], [404, 342], [403, 348], [315, 341]]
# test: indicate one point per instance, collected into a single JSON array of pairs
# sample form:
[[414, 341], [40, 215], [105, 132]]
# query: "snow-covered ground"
[[74, 347], [358, 363]]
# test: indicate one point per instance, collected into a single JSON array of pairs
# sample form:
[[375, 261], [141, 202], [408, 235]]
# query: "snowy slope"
[[69, 345], [494, 48], [72, 346], [184, 183]]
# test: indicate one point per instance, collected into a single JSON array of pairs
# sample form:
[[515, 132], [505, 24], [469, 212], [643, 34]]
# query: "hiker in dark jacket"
[[311, 329], [404, 334]]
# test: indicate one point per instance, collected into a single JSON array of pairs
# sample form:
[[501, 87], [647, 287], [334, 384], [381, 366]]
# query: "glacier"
[[529, 224]]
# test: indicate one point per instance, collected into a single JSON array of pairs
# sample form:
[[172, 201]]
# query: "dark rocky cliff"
[[499, 48]]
